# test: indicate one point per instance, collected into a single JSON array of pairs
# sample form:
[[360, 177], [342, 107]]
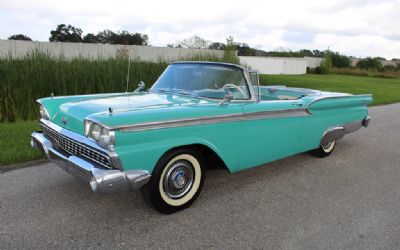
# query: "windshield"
[[205, 80]]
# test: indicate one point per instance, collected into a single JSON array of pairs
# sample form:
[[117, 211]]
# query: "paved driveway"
[[350, 200]]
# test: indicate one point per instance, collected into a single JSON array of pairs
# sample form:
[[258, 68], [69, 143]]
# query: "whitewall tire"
[[328, 148], [324, 150], [176, 181]]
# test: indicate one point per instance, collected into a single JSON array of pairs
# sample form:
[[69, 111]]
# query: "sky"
[[357, 28]]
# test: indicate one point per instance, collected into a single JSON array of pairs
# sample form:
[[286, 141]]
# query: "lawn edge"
[[11, 167]]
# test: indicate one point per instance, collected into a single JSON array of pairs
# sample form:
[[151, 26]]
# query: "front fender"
[[145, 156], [142, 150]]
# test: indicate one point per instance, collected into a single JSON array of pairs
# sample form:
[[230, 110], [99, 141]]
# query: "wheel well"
[[212, 159]]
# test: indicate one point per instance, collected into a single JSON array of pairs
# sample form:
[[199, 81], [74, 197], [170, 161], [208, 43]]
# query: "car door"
[[271, 130]]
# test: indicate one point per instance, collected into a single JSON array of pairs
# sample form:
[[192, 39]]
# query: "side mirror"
[[141, 87], [227, 98]]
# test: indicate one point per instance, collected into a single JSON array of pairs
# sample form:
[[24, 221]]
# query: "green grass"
[[384, 91], [15, 142]]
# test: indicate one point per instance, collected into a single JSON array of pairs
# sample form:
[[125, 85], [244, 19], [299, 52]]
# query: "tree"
[[306, 52], [318, 53], [90, 38], [124, 37], [244, 49], [193, 42], [106, 36], [217, 45], [339, 61], [128, 38], [20, 37], [370, 63], [326, 64], [64, 33], [230, 51]]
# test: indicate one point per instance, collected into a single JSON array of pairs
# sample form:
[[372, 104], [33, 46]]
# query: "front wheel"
[[176, 181], [324, 150]]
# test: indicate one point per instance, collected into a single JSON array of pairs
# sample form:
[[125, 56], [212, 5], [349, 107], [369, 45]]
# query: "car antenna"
[[127, 77]]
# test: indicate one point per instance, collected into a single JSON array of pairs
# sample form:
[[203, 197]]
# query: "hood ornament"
[[64, 120]]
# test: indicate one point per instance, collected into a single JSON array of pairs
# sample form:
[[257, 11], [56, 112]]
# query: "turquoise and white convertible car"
[[196, 114]]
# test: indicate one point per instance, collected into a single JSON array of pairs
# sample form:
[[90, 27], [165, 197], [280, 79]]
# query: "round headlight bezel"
[[101, 135]]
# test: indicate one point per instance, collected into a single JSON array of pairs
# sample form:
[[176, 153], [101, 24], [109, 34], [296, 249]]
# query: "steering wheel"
[[231, 85]]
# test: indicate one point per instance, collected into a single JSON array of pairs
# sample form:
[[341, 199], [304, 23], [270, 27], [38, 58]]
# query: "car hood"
[[71, 114]]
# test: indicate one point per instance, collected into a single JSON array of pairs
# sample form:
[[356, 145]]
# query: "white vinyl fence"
[[275, 65], [17, 49], [265, 65], [313, 62]]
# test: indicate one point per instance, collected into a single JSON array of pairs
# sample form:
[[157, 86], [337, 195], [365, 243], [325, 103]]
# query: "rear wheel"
[[324, 150], [176, 181]]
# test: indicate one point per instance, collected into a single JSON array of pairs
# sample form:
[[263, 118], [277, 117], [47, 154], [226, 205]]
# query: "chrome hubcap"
[[179, 179]]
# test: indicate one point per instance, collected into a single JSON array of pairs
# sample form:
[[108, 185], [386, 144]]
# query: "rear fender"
[[339, 102], [328, 116]]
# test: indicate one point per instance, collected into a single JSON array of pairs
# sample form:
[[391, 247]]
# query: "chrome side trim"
[[212, 120], [275, 114], [338, 132], [180, 123]]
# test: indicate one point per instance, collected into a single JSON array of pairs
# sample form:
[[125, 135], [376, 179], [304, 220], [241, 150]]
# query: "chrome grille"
[[74, 148]]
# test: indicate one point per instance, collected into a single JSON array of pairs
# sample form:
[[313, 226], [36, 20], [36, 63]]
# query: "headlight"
[[43, 113], [95, 131], [103, 136]]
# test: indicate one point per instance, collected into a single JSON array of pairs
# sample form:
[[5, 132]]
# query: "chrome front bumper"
[[101, 180]]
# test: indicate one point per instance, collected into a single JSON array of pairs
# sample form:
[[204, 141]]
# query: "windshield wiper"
[[182, 92], [175, 91], [163, 90]]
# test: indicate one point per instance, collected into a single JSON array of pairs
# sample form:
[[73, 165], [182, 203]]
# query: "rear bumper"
[[338, 132], [101, 180], [365, 121]]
